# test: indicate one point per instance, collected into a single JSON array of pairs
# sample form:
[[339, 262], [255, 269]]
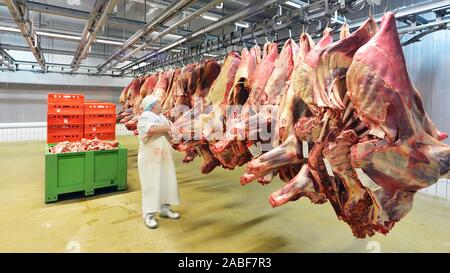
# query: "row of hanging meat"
[[345, 123]]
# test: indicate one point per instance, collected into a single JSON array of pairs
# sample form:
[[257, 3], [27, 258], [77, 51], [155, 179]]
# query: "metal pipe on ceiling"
[[245, 12], [147, 29], [20, 13], [169, 30], [98, 18]]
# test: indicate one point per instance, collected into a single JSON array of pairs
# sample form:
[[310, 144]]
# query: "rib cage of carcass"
[[349, 126]]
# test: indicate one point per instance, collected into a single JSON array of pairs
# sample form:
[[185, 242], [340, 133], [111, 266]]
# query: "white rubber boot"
[[150, 221], [166, 212]]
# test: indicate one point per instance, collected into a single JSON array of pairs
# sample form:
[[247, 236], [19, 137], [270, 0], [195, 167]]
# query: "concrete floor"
[[218, 215]]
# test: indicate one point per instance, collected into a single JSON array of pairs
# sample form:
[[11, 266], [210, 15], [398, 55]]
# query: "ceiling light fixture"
[[292, 4], [243, 25], [211, 18]]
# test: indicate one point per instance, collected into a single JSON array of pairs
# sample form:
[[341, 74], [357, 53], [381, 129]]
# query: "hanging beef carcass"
[[147, 88], [324, 93], [237, 97], [289, 152], [206, 73], [402, 152], [166, 102], [366, 162], [190, 129], [237, 129], [133, 92], [123, 100]]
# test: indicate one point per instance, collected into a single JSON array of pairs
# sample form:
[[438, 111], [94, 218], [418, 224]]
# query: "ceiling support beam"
[[150, 27], [20, 13], [98, 18], [6, 60], [169, 30], [54, 51], [256, 7]]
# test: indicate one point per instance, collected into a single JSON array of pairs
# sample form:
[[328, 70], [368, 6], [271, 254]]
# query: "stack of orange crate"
[[65, 117], [99, 120]]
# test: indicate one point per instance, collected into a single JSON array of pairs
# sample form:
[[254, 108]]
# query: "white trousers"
[[157, 175]]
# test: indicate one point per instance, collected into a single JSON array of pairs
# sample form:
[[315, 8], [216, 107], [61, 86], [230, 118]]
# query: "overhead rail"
[[99, 16], [150, 27], [6, 60], [157, 37], [254, 8], [19, 11], [306, 16], [318, 10]]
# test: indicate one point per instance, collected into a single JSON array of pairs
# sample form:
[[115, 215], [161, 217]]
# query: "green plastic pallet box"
[[84, 171]]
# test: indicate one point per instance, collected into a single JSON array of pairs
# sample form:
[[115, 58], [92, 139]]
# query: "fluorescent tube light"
[[211, 18], [292, 4], [243, 25], [55, 35], [108, 42], [10, 29]]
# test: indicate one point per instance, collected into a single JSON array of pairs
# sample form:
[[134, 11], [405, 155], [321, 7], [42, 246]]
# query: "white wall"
[[28, 102]]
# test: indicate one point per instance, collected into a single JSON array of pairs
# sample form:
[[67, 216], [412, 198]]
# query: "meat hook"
[[253, 33], [265, 28], [242, 41], [274, 26]]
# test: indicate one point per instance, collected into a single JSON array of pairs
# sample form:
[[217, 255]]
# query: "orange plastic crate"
[[101, 135], [56, 138], [99, 128], [99, 118], [65, 119], [65, 109], [60, 98], [99, 108], [64, 128]]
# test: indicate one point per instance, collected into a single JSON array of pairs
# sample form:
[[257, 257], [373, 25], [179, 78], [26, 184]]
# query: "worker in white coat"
[[155, 164]]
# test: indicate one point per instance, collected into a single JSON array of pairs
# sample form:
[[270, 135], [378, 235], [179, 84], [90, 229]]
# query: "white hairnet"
[[148, 102]]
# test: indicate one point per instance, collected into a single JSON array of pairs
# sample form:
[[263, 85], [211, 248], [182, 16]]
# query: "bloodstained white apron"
[[156, 167]]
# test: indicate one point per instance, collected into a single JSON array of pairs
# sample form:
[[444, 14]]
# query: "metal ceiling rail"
[[411, 10], [316, 10], [98, 18], [84, 15], [287, 22], [147, 29], [163, 33], [255, 7], [71, 36], [53, 51], [62, 72], [20, 13], [6, 59]]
